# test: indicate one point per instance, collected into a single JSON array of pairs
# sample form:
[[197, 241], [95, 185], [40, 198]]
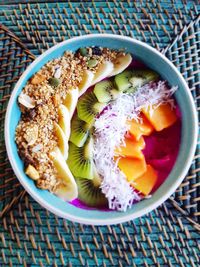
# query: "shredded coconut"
[[110, 129]]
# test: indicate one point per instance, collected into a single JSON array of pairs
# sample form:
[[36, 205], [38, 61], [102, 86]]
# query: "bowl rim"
[[128, 217]]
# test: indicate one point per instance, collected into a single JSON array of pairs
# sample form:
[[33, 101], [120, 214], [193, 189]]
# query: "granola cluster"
[[39, 102]]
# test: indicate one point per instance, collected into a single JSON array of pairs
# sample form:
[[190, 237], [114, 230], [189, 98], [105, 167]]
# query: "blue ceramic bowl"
[[152, 59]]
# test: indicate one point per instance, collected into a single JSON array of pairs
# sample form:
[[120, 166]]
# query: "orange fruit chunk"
[[132, 167], [146, 182], [161, 117], [132, 148], [138, 129]]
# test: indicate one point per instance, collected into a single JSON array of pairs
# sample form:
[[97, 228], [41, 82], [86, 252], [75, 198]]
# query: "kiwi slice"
[[79, 131], [129, 80], [105, 91], [80, 159], [88, 107], [122, 80], [89, 192], [141, 77]]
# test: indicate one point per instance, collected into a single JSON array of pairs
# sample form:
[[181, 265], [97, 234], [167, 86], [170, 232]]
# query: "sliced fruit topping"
[[105, 91], [71, 101], [131, 148], [141, 77], [69, 190], [61, 191], [86, 81], [161, 117], [80, 159], [90, 193], [88, 149], [88, 107], [120, 64], [137, 129], [103, 71], [62, 140], [64, 120], [147, 181], [122, 80], [132, 167], [79, 131], [129, 80]]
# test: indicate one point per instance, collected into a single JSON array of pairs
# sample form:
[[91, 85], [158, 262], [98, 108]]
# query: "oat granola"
[[39, 102]]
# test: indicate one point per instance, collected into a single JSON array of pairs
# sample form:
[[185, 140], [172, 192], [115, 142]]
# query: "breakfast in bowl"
[[86, 123], [98, 128]]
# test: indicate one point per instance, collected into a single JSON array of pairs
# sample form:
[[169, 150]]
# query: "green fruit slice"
[[105, 91], [122, 80], [89, 192], [88, 107], [129, 80], [79, 131], [80, 159], [140, 78]]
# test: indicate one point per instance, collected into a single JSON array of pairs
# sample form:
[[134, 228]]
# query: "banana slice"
[[62, 140], [103, 71], [64, 120], [67, 189], [86, 81], [71, 101], [62, 192], [120, 64]]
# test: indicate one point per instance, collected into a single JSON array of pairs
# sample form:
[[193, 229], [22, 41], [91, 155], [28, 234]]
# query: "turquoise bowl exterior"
[[152, 59]]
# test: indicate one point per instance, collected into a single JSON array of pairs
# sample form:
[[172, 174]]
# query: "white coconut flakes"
[[110, 130]]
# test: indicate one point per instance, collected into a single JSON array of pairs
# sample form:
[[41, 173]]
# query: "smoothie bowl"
[[97, 129]]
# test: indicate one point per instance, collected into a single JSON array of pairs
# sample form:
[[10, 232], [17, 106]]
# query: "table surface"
[[30, 235]]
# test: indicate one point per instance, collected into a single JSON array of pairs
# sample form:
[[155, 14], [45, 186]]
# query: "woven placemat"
[[31, 236], [14, 58], [184, 52], [40, 25]]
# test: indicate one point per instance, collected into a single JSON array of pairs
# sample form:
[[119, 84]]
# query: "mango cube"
[[132, 148], [132, 167], [138, 129], [161, 117], [146, 182]]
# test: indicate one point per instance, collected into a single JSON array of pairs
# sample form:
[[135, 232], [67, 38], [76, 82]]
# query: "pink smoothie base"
[[160, 151]]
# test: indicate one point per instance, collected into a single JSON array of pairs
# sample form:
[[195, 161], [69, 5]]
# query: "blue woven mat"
[[31, 236], [42, 25]]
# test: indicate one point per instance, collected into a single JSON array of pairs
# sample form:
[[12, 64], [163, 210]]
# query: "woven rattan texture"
[[30, 236], [42, 25], [33, 237], [13, 61], [185, 54]]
